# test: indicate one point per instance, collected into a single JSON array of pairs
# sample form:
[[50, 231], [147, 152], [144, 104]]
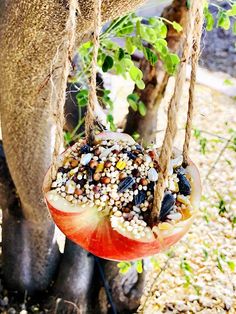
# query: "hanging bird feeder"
[[117, 199]]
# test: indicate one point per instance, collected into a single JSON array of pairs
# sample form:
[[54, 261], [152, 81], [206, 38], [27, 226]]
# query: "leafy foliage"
[[126, 266], [225, 17], [123, 38]]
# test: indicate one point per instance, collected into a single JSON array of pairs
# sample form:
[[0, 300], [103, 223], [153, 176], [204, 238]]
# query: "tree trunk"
[[156, 78]]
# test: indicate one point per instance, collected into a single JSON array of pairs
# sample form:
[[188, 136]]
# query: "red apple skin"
[[102, 240], [105, 242]]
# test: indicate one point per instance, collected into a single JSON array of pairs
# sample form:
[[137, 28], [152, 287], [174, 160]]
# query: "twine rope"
[[90, 117], [171, 128], [66, 50], [191, 100]]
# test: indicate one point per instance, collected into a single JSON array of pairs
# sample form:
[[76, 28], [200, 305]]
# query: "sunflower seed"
[[125, 184], [166, 206], [184, 185]]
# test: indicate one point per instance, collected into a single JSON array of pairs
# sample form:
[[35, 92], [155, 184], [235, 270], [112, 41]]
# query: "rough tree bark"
[[156, 78], [30, 34]]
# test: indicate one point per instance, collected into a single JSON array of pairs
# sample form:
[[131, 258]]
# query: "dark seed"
[[131, 155], [180, 170], [135, 172], [125, 184], [140, 197], [82, 182], [166, 206], [184, 185], [90, 174], [139, 147], [151, 186], [63, 170], [75, 179], [135, 186], [85, 149]]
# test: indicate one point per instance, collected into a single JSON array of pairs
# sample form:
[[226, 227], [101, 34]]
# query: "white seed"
[[118, 213], [175, 216], [69, 198], [152, 175], [85, 159], [136, 209], [177, 161], [70, 187], [148, 159], [129, 228], [54, 184]]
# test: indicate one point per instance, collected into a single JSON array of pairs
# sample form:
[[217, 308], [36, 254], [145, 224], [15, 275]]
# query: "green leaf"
[[135, 73], [139, 266], [232, 11], [124, 267], [205, 254], [150, 56], [152, 21], [171, 63], [130, 47], [219, 265], [142, 109], [188, 4], [135, 136], [160, 29], [140, 84], [106, 99], [110, 119], [161, 47], [67, 137], [126, 29], [231, 265], [138, 28], [132, 100], [209, 19], [196, 133], [228, 82], [148, 34], [82, 97], [223, 20], [234, 28], [121, 54], [107, 64], [155, 263], [177, 26]]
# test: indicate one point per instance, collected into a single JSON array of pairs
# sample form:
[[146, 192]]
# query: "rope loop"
[[90, 117], [193, 35]]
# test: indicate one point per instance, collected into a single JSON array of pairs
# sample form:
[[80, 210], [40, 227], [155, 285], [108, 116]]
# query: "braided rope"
[[194, 64], [66, 49], [171, 128], [90, 117]]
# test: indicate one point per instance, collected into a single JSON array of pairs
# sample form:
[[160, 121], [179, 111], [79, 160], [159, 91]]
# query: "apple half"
[[92, 230]]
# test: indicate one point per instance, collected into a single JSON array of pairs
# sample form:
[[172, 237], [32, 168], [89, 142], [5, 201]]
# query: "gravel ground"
[[199, 274]]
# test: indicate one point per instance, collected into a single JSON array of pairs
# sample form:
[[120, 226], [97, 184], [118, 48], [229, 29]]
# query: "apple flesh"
[[92, 229]]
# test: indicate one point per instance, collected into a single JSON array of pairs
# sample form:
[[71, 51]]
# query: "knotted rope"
[[90, 117], [66, 50], [191, 100], [192, 32]]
